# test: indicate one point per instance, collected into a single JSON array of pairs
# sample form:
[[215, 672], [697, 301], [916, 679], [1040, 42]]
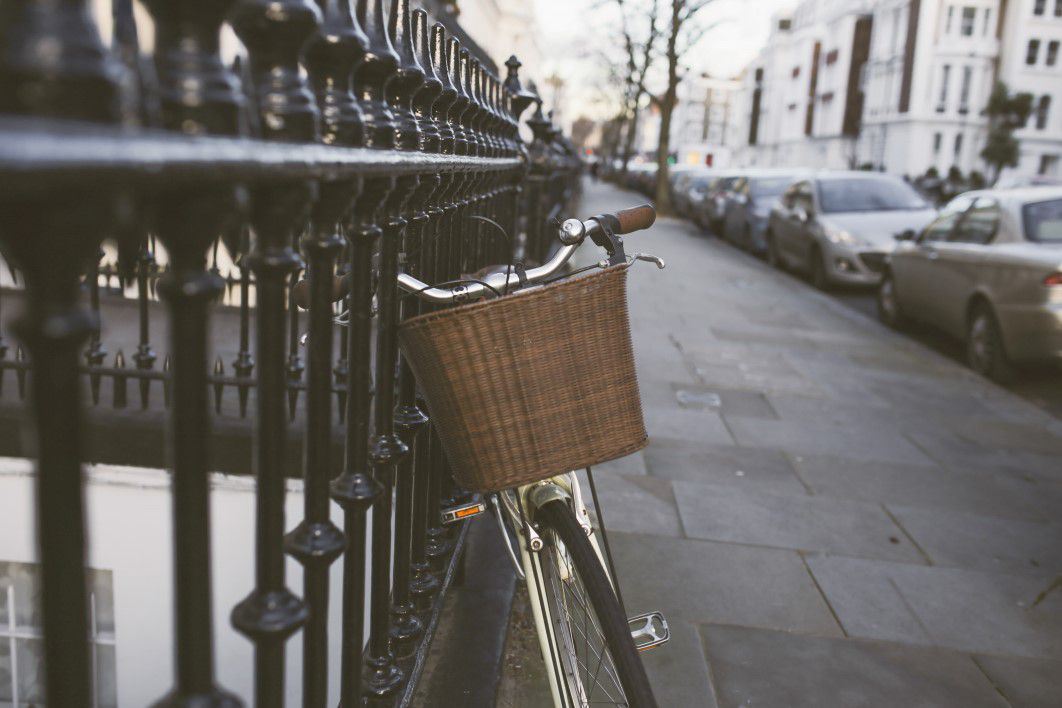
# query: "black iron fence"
[[367, 141]]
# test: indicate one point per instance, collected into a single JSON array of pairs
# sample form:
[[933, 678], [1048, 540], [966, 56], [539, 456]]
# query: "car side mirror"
[[802, 215], [906, 235]]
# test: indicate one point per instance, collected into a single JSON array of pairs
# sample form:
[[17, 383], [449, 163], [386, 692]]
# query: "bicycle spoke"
[[579, 624]]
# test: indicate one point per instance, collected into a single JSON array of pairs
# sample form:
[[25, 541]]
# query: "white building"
[[129, 526], [800, 97], [902, 84], [932, 68], [703, 120], [1030, 62], [502, 28]]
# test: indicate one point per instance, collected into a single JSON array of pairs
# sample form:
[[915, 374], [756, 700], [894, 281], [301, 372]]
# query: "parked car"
[[987, 270], [641, 177], [838, 227], [711, 211], [749, 207], [690, 186]]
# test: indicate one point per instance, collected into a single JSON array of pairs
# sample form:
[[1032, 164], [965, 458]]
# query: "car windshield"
[[1043, 221], [868, 194], [769, 186]]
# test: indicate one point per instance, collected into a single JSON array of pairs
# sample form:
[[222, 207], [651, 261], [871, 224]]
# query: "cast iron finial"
[[330, 57], [425, 98], [407, 80], [371, 76]]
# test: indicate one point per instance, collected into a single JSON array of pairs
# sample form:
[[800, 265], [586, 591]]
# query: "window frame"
[[965, 88], [1032, 52], [1025, 220], [945, 79], [1043, 110], [967, 20], [949, 212], [994, 205]]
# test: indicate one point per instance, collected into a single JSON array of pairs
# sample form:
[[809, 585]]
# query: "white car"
[[988, 270], [838, 227]]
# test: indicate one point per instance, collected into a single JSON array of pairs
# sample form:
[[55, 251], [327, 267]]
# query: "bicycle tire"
[[557, 521]]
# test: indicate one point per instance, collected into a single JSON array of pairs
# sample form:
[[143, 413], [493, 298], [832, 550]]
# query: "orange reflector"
[[458, 513]]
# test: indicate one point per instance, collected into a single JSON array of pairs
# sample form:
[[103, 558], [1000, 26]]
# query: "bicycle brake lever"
[[650, 258]]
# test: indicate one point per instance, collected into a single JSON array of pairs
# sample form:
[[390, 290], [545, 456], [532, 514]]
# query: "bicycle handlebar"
[[572, 233], [630, 220]]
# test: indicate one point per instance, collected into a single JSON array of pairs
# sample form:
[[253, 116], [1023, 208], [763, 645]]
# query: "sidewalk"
[[829, 514]]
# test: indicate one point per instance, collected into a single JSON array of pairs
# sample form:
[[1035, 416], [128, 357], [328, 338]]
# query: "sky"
[[573, 50]]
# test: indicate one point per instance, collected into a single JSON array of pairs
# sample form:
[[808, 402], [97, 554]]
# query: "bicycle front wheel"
[[594, 656]]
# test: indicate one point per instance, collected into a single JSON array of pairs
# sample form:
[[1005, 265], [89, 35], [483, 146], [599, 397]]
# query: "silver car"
[[838, 227], [989, 270]]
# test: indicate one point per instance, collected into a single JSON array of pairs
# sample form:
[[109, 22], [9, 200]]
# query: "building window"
[[964, 91], [988, 21], [796, 71], [22, 642], [1041, 112], [958, 145], [937, 140], [947, 23], [944, 76], [1048, 165], [1032, 54], [969, 16], [831, 57], [1038, 7], [1058, 13], [1052, 52]]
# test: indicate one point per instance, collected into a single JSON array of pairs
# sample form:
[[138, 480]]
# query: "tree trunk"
[[663, 191], [628, 142], [667, 107]]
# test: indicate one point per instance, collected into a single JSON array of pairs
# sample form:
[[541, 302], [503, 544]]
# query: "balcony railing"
[[367, 142]]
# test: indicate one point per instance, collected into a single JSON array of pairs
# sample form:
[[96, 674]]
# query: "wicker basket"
[[533, 384]]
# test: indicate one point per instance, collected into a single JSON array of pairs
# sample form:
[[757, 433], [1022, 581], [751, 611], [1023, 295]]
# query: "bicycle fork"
[[648, 630]]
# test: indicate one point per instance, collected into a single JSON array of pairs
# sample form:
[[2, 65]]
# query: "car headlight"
[[839, 236]]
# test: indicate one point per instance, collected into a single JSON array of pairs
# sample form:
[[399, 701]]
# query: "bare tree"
[[638, 34], [683, 33]]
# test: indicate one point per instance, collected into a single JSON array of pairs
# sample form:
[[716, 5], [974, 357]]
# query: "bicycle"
[[590, 648]]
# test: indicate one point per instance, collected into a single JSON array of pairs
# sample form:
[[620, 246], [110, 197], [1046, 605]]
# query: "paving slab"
[[1013, 436], [730, 401], [930, 486], [674, 421], [968, 610], [882, 442], [984, 542], [754, 667], [700, 581], [952, 450], [723, 513], [678, 670], [1025, 683], [673, 459], [633, 464], [635, 504]]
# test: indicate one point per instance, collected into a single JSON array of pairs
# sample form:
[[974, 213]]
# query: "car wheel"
[[774, 259], [984, 346], [817, 270], [889, 310]]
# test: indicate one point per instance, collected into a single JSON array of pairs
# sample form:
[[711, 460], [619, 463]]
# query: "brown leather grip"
[[301, 290], [635, 219]]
